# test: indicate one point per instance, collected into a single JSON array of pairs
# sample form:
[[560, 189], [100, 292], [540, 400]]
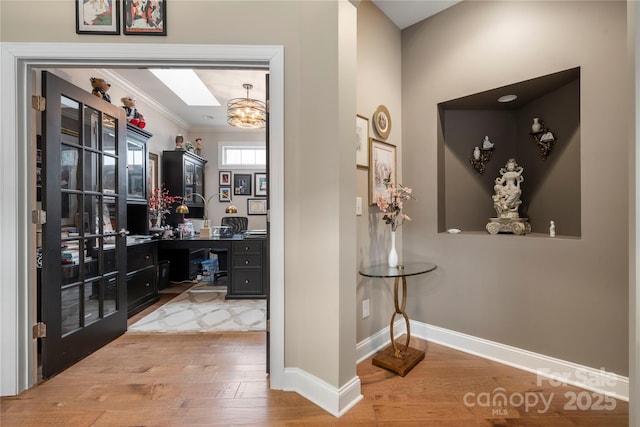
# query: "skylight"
[[187, 85]]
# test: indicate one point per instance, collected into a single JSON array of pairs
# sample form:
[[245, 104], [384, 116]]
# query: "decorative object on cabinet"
[[241, 184], [362, 141], [382, 165], [260, 183], [224, 178], [97, 17], [256, 206], [144, 18], [183, 173], [506, 202], [99, 88], [382, 121], [198, 147], [179, 143], [480, 156], [246, 113], [543, 137], [133, 115]]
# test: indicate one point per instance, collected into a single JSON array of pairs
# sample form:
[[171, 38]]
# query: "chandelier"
[[246, 113]]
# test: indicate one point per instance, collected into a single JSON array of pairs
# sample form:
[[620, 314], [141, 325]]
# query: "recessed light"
[[208, 116], [507, 98]]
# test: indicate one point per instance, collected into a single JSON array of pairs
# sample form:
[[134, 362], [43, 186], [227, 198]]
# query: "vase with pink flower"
[[392, 205]]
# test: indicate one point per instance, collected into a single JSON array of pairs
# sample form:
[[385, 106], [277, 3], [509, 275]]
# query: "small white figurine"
[[486, 144], [476, 153], [552, 229]]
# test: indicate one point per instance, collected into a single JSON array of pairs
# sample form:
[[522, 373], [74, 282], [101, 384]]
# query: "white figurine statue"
[[552, 229], [476, 153], [506, 199], [486, 144]]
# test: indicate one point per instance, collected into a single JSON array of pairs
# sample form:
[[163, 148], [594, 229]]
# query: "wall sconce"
[[482, 155], [543, 137]]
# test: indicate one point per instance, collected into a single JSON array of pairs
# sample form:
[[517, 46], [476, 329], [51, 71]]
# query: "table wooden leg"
[[399, 359]]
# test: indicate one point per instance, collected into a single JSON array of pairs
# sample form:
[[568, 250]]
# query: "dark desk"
[[246, 262], [399, 359]]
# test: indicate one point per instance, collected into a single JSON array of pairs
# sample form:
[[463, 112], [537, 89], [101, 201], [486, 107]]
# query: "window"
[[242, 156]]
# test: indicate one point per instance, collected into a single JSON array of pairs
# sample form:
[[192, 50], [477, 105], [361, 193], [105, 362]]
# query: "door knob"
[[123, 232]]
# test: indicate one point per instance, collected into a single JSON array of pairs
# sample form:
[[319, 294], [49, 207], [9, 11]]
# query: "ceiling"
[[227, 83]]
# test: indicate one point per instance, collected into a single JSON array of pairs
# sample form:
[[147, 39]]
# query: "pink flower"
[[392, 207]]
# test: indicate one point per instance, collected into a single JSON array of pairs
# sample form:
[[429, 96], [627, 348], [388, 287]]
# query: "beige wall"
[[319, 94], [379, 82], [565, 298]]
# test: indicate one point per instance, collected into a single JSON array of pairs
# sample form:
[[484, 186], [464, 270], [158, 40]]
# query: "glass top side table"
[[399, 359]]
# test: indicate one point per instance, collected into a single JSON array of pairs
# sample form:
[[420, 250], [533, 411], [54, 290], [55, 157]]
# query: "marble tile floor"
[[202, 308]]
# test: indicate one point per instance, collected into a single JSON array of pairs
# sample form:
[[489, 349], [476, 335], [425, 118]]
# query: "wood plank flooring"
[[219, 380]]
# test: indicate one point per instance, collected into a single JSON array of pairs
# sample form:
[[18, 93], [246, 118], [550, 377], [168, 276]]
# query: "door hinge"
[[268, 215], [268, 325], [40, 330], [39, 217], [38, 103]]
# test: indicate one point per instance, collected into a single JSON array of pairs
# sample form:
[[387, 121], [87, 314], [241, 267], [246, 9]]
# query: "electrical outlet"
[[358, 205], [365, 308]]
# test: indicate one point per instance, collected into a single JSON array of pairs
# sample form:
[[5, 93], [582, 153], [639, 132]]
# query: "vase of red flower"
[[160, 202]]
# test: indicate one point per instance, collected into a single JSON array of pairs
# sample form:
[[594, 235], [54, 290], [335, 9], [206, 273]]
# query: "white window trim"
[[239, 144]]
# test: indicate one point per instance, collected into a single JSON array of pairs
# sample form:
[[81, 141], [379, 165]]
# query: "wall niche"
[[551, 189]]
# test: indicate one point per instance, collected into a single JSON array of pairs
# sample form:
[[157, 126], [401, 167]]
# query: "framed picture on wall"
[[224, 178], [224, 194], [382, 165], [144, 18], [98, 17], [260, 184], [256, 206], [362, 141], [242, 184], [153, 171]]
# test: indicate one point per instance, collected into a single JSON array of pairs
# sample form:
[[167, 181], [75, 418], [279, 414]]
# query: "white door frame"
[[17, 297]]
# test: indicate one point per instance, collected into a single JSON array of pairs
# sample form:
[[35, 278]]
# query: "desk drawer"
[[140, 257], [141, 287], [247, 247], [247, 261], [246, 282]]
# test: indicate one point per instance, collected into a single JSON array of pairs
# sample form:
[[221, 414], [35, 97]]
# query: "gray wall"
[[561, 297]]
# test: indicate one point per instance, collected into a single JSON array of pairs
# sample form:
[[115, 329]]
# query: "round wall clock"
[[382, 121]]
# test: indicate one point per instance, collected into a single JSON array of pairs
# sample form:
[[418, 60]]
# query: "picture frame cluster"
[[139, 17], [245, 184]]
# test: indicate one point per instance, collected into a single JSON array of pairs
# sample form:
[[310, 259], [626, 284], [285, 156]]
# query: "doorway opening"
[[28, 57]]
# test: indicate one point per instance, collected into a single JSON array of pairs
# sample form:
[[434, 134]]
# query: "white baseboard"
[[551, 369], [335, 401]]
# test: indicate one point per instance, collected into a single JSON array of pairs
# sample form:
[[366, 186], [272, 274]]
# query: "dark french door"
[[83, 288]]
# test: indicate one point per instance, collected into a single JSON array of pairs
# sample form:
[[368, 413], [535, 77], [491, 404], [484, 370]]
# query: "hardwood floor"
[[219, 380]]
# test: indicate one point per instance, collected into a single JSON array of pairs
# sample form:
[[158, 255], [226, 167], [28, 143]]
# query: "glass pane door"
[[83, 280]]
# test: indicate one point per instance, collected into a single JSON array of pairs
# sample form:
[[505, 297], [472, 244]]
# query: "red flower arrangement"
[[160, 202]]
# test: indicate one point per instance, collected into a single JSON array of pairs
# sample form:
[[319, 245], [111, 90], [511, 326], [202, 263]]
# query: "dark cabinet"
[[183, 175], [247, 269], [142, 272], [137, 164], [137, 180]]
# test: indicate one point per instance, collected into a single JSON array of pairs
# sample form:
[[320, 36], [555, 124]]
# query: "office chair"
[[238, 224]]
